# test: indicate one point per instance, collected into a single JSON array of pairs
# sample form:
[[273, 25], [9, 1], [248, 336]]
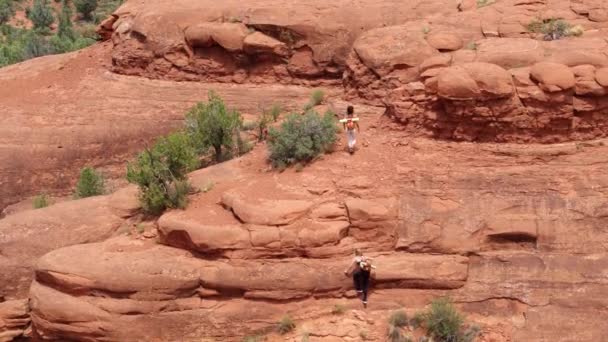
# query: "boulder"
[[474, 80], [437, 61], [14, 319], [601, 76], [384, 48], [510, 52], [552, 77], [455, 83], [370, 213], [230, 36], [266, 212], [444, 41], [178, 230], [258, 42]]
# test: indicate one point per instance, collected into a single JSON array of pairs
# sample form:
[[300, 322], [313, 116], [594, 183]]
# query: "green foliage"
[[105, 8], [398, 319], [317, 97], [6, 11], [262, 125], [41, 201], [90, 183], [552, 28], [211, 124], [66, 29], [160, 173], [249, 125], [286, 324], [86, 8], [301, 138], [338, 309], [41, 14], [483, 3], [443, 322]]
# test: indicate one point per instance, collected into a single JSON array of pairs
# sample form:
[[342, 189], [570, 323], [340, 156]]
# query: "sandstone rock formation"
[[514, 233]]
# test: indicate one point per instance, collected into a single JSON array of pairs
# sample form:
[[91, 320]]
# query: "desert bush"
[[249, 125], [417, 320], [317, 96], [41, 201], [338, 309], [286, 325], [88, 31], [301, 138], [6, 11], [254, 338], [85, 7], [552, 28], [398, 319], [90, 183], [483, 3], [443, 322], [213, 125], [395, 334], [41, 14], [160, 173], [275, 112], [262, 125]]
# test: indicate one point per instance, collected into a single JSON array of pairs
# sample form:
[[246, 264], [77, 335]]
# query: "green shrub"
[[249, 125], [6, 11], [90, 183], [443, 322], [85, 7], [160, 173], [262, 125], [41, 201], [398, 319], [88, 31], [417, 320], [211, 124], [286, 325], [552, 28], [395, 334], [41, 14], [301, 138]]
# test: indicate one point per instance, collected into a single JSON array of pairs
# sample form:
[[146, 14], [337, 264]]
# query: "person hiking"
[[360, 269], [349, 126]]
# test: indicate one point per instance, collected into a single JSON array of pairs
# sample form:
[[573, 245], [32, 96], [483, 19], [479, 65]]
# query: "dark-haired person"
[[350, 123], [361, 269]]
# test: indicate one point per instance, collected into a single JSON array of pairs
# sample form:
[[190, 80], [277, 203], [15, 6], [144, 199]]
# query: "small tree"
[[6, 11], [86, 8], [160, 173], [301, 138], [90, 183], [65, 29], [41, 15], [211, 124]]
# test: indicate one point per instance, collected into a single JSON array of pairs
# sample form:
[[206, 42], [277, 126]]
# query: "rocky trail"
[[480, 174]]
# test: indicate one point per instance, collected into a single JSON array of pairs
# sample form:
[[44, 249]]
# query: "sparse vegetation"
[[301, 138], [213, 125], [160, 173], [86, 8], [363, 334], [417, 320], [471, 46], [275, 112], [316, 98], [338, 309], [249, 125], [286, 325], [306, 337], [398, 319], [426, 30], [483, 3], [90, 183], [255, 338], [553, 28], [444, 323], [41, 201]]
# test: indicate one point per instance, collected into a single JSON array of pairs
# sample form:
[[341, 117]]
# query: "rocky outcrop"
[[14, 319]]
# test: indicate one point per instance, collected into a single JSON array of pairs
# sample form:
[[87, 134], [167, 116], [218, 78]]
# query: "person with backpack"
[[361, 269], [350, 123]]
